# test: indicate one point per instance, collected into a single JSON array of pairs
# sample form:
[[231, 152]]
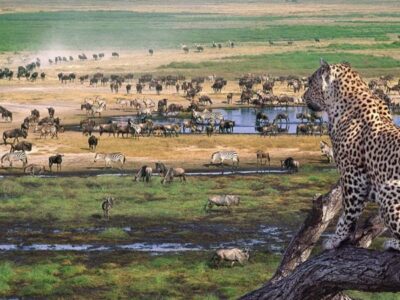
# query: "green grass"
[[138, 276], [76, 30], [299, 62], [71, 202], [377, 46]]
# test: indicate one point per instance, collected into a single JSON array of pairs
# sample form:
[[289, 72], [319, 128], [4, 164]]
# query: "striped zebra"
[[218, 158], [207, 115], [15, 156], [111, 158], [98, 109]]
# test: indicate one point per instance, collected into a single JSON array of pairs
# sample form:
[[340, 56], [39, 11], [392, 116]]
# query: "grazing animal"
[[218, 158], [6, 114], [15, 134], [93, 141], [34, 169], [51, 112], [106, 206], [222, 200], [262, 158], [365, 145], [15, 156], [151, 52], [172, 173], [231, 255], [55, 160], [51, 130], [326, 151], [290, 164], [185, 49], [229, 98], [144, 174], [111, 128], [111, 158], [21, 146], [270, 130]]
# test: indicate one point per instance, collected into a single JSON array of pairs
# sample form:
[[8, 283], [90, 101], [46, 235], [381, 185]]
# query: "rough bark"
[[324, 209], [346, 268], [328, 274]]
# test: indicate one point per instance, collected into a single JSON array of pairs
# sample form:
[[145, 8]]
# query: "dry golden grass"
[[255, 8], [190, 151]]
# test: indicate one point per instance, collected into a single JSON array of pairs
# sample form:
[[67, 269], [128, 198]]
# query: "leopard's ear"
[[324, 64]]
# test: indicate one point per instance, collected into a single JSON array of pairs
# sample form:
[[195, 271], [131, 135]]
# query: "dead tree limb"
[[328, 274], [346, 268], [324, 209]]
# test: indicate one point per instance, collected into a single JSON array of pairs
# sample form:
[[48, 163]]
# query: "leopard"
[[366, 148]]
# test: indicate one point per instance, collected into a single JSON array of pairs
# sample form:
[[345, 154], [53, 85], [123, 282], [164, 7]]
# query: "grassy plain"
[[67, 210]]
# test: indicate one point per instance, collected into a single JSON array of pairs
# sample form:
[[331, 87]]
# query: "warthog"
[[222, 200], [231, 255], [34, 169]]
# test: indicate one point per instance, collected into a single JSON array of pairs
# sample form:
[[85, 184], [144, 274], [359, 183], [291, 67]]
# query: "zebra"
[[326, 151], [15, 156], [168, 174], [106, 206], [110, 158], [218, 158], [97, 109]]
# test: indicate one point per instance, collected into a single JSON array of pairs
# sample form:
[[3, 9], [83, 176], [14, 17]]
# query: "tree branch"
[[331, 272], [324, 209], [327, 275]]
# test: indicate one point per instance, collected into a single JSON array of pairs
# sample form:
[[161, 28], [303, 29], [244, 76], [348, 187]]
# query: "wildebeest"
[[151, 52], [111, 128], [6, 114], [290, 164], [93, 141], [51, 112], [56, 160], [222, 200], [15, 134], [144, 174], [115, 55], [226, 126], [33, 169], [231, 255], [21, 146]]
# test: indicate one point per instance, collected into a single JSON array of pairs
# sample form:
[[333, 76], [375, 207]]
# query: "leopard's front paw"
[[392, 244], [332, 243]]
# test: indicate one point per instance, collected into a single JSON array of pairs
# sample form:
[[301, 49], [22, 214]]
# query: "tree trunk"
[[346, 268], [328, 274]]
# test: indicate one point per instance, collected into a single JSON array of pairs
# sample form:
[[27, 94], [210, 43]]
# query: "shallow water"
[[245, 118], [269, 238]]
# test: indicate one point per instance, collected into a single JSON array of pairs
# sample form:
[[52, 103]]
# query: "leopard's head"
[[315, 95]]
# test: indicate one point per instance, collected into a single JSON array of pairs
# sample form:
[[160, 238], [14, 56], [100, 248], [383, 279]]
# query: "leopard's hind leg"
[[389, 209]]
